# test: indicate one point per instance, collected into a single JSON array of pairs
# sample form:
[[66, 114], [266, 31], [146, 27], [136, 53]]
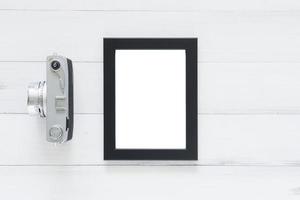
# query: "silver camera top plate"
[[53, 99]]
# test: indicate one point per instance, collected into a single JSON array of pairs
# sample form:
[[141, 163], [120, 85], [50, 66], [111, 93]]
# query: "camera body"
[[53, 99]]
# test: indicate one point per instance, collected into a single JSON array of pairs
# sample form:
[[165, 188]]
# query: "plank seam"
[[213, 113], [265, 11]]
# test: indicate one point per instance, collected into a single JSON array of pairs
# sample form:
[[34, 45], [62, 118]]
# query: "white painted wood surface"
[[156, 5], [134, 183], [249, 104], [223, 140], [223, 36]]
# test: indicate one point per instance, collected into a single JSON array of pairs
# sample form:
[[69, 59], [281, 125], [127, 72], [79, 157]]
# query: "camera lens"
[[55, 65], [36, 100]]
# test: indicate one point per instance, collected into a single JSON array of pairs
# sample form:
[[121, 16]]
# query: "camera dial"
[[55, 65]]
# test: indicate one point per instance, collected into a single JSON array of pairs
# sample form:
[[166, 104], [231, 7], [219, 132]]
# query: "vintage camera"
[[53, 99]]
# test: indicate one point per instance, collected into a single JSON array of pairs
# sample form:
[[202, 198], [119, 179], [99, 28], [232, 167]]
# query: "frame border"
[[191, 151]]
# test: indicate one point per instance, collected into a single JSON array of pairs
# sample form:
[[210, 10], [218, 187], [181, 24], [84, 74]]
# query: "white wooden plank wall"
[[94, 183], [249, 99]]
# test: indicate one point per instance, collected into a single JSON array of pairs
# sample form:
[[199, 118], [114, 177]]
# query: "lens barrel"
[[36, 99]]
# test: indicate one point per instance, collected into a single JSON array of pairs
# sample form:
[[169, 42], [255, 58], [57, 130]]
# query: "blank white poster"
[[150, 99]]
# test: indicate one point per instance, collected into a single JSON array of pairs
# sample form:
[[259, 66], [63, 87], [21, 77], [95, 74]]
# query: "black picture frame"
[[190, 47]]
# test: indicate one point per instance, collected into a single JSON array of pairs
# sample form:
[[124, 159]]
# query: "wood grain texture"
[[93, 183], [249, 108], [242, 36], [153, 5], [223, 140], [248, 78], [224, 88]]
